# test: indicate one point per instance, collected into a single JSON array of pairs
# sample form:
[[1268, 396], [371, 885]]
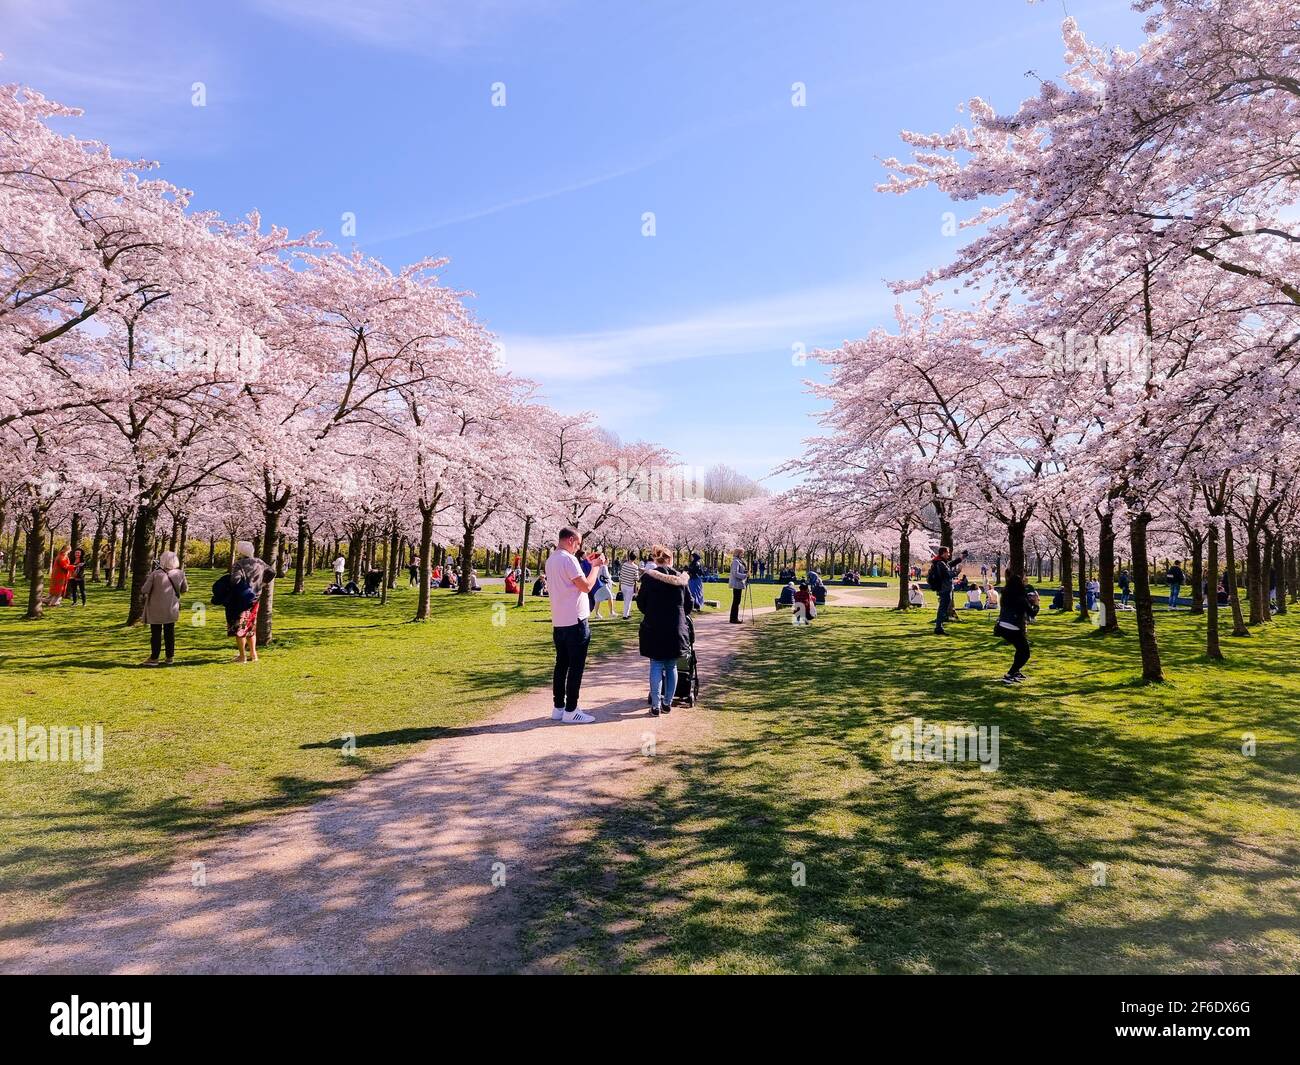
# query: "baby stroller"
[[688, 673], [687, 692]]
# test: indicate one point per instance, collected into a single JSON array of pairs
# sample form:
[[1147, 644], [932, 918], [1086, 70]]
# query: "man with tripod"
[[736, 582]]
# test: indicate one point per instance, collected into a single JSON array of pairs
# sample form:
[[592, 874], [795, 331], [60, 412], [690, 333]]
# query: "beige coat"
[[162, 596]]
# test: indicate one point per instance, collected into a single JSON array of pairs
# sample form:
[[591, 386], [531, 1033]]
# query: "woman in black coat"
[[1018, 604], [664, 636]]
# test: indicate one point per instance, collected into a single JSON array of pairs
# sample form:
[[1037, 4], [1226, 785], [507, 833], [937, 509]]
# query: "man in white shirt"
[[340, 564], [571, 631]]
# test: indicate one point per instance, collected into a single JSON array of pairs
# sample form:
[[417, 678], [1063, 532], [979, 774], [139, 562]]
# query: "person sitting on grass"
[[512, 583], [539, 586], [805, 604], [974, 600], [915, 597]]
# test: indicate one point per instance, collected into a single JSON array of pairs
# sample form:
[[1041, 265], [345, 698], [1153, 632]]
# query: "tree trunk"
[[1212, 649], [1265, 577], [299, 573], [146, 518], [1106, 573], [426, 562], [1016, 544], [1279, 573], [904, 564], [1253, 573], [35, 568], [1198, 572], [466, 562], [13, 552], [124, 551], [390, 567], [523, 560], [355, 542], [1238, 622], [1146, 619], [1083, 572], [1067, 574], [96, 546], [266, 612]]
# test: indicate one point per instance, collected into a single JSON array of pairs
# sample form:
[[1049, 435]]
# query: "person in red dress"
[[60, 570]]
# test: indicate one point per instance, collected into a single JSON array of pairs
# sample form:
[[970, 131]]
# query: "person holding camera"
[[570, 629], [940, 579]]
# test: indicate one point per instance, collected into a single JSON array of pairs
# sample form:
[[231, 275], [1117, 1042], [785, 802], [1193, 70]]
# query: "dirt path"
[[396, 874]]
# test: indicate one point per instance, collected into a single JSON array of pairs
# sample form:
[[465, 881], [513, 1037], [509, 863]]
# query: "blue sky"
[[768, 231]]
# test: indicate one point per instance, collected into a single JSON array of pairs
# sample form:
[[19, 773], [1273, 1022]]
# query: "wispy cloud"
[[421, 26], [771, 324], [516, 201], [134, 80]]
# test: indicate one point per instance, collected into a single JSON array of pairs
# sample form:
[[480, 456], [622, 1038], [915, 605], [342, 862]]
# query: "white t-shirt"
[[569, 605], [339, 564]]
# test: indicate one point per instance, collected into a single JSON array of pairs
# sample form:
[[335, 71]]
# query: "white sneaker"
[[576, 717], [557, 713]]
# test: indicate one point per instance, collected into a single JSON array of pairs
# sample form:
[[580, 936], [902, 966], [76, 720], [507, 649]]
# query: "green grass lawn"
[[939, 867], [197, 748]]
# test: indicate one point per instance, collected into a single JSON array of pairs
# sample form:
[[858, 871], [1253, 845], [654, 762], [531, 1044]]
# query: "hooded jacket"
[[665, 602]]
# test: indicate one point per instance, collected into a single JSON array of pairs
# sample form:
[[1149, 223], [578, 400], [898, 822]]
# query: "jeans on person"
[[663, 681], [570, 660], [1175, 590], [945, 608], [735, 603], [1018, 640], [75, 585], [158, 634], [1123, 599]]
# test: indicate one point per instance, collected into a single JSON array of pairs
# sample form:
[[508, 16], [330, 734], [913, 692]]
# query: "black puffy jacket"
[[1016, 606], [665, 602]]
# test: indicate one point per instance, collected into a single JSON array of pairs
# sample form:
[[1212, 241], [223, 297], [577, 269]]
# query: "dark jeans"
[[1018, 640], [75, 585], [735, 603], [157, 635], [570, 660], [945, 608]]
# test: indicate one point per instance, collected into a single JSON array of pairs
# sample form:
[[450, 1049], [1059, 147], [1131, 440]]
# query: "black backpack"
[[932, 579]]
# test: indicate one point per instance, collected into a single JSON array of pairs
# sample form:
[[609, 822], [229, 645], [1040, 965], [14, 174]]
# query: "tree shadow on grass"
[[922, 867]]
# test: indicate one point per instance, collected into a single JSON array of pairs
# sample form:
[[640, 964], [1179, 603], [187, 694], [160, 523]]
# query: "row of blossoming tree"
[[168, 376], [1108, 368]]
